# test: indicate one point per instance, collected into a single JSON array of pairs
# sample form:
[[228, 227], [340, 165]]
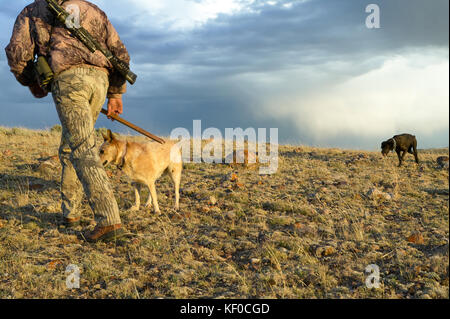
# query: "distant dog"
[[144, 163], [401, 144]]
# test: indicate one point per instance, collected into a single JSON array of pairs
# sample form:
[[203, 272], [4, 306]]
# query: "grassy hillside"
[[309, 231]]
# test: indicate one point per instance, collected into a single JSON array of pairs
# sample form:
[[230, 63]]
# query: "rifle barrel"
[[134, 127]]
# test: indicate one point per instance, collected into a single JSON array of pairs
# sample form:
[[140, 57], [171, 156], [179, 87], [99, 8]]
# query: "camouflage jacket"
[[37, 32]]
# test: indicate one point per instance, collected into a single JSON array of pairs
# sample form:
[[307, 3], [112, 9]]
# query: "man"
[[81, 84]]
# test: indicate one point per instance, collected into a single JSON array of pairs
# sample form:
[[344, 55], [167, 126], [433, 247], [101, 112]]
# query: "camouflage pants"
[[79, 94]]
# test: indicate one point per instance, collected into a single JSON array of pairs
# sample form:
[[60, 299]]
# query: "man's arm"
[[20, 50], [117, 83]]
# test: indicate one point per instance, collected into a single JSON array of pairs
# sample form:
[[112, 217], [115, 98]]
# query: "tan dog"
[[144, 163]]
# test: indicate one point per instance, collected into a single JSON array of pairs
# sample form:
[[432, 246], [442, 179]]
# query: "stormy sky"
[[310, 68]]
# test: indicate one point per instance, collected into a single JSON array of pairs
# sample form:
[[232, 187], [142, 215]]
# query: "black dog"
[[401, 143]]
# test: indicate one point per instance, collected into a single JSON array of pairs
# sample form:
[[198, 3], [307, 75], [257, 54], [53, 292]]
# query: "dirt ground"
[[308, 231]]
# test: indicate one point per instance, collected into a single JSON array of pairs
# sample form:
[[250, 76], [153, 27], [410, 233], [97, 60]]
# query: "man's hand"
[[37, 91], [115, 107]]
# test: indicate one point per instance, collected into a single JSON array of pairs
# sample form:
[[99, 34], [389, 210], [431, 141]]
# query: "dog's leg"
[[416, 156], [399, 159], [175, 175], [137, 203], [177, 194], [149, 199], [152, 189], [402, 158]]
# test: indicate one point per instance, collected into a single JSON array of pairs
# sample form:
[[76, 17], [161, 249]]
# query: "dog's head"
[[109, 151], [387, 146]]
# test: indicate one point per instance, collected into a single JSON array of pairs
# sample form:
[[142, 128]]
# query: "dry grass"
[[309, 231]]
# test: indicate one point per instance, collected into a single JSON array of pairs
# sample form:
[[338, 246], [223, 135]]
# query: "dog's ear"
[[108, 137], [112, 135], [105, 137]]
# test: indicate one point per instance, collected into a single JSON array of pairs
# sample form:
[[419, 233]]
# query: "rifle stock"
[[134, 127]]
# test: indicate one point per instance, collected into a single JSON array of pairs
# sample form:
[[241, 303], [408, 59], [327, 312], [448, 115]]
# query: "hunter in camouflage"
[[82, 82]]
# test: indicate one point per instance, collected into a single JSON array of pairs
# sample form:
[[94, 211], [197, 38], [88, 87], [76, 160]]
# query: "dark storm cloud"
[[308, 32], [416, 22]]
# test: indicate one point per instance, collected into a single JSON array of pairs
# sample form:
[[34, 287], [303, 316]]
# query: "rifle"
[[86, 38], [134, 127]]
